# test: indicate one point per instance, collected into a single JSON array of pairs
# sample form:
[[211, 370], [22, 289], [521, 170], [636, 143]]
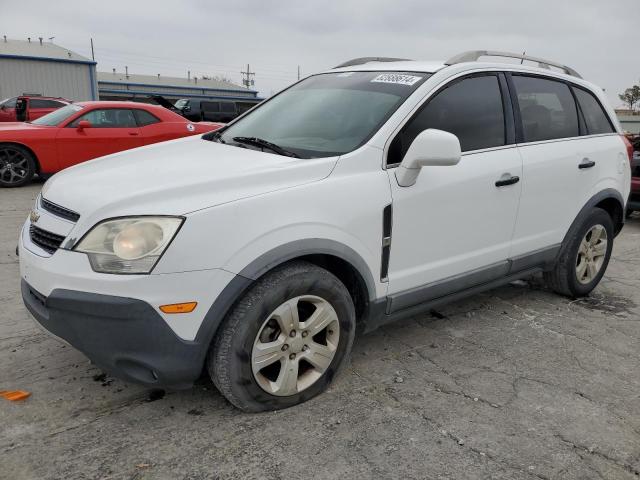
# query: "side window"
[[547, 109], [108, 118], [470, 108], [594, 115], [211, 106], [39, 103], [227, 107], [144, 118]]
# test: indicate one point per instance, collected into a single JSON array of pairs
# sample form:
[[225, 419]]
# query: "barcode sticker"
[[397, 79]]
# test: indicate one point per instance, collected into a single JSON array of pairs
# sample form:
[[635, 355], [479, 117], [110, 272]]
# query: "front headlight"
[[128, 245]]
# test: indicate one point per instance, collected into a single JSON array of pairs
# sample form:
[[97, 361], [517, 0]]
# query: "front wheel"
[[584, 258], [285, 340], [17, 166]]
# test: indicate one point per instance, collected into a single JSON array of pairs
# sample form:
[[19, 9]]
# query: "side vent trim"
[[387, 222]]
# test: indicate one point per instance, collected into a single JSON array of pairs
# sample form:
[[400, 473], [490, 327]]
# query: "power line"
[[107, 52]]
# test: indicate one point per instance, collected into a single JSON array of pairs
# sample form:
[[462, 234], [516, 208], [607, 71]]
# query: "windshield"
[[9, 102], [57, 116], [325, 115]]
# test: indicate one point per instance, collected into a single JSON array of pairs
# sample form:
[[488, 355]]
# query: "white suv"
[[356, 197]]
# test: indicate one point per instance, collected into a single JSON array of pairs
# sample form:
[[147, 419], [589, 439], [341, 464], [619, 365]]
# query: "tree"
[[631, 96], [219, 78]]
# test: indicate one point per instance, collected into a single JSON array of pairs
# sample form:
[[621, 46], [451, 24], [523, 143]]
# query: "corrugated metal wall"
[[55, 79], [168, 90]]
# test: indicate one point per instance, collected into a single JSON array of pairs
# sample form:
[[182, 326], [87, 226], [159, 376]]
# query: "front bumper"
[[123, 336], [634, 196], [115, 319]]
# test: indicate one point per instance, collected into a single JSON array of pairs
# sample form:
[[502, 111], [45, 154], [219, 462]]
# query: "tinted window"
[[211, 106], [108, 118], [39, 103], [228, 107], [144, 118], [471, 109], [547, 109], [594, 115]]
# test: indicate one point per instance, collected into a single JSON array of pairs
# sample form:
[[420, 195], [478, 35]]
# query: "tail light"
[[629, 147]]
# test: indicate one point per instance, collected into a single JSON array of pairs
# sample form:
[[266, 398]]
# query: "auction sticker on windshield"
[[396, 78]]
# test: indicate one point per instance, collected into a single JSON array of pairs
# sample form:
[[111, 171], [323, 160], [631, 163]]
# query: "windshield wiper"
[[260, 142]]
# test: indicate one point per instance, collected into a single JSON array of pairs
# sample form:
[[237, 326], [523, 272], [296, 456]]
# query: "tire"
[[17, 166], [232, 358], [564, 278]]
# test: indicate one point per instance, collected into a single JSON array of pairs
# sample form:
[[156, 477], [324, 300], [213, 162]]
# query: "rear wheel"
[[17, 166], [285, 340], [584, 258]]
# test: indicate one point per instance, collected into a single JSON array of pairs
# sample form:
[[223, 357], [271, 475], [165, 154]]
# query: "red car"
[[82, 131], [27, 108], [634, 197]]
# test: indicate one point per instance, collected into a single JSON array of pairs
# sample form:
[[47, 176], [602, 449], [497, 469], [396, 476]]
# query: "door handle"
[[503, 182], [134, 133], [586, 163]]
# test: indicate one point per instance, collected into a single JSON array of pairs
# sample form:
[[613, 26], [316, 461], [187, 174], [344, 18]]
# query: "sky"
[[600, 39]]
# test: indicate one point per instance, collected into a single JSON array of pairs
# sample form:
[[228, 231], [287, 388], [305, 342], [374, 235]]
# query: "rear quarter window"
[[595, 117], [144, 118]]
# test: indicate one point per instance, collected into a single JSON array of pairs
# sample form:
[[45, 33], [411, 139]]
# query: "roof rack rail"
[[474, 55], [363, 60]]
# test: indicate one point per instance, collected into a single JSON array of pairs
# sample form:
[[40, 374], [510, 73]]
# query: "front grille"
[[47, 241], [58, 210]]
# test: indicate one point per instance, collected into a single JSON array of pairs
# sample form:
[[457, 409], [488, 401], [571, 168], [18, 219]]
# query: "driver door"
[[8, 110], [452, 229], [112, 130]]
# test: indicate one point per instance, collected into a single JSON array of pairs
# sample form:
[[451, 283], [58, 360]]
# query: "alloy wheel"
[[14, 166], [295, 345], [591, 254]]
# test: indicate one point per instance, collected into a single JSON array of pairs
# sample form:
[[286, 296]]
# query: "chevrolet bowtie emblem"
[[34, 216]]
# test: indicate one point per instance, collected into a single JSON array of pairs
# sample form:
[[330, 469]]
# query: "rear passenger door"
[[559, 171], [452, 229]]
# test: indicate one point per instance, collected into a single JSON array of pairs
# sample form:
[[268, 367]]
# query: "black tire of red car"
[[230, 355], [563, 279], [17, 166]]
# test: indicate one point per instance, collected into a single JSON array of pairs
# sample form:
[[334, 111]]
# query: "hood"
[[14, 126], [176, 178]]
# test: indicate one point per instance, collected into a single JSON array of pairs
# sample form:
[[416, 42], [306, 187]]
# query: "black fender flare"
[[267, 261], [584, 211]]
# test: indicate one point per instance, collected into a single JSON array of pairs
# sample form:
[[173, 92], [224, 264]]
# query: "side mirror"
[[3, 107], [82, 124], [431, 148]]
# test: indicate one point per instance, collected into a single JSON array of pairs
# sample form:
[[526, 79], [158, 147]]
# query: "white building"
[[125, 86], [39, 67]]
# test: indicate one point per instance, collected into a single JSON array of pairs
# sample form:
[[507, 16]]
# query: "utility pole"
[[298, 72], [93, 55], [247, 81]]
